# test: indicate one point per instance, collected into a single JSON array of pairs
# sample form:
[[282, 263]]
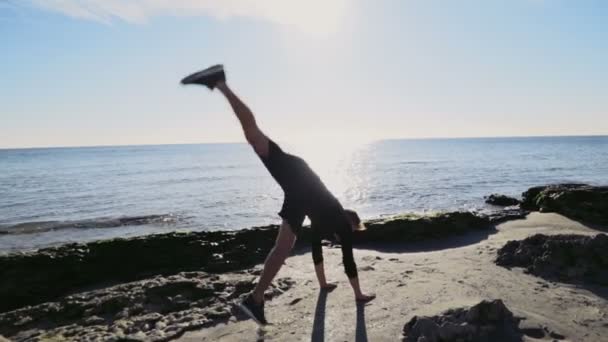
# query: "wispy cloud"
[[313, 16]]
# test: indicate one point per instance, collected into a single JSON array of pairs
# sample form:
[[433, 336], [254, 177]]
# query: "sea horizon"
[[244, 142]]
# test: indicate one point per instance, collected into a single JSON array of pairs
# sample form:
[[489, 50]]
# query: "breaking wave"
[[45, 226]]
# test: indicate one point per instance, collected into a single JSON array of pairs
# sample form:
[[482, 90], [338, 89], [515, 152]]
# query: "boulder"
[[408, 228], [485, 321], [501, 200], [577, 201], [567, 258]]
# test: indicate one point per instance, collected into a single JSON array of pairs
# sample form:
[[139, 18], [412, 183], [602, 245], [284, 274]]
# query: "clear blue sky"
[[106, 72]]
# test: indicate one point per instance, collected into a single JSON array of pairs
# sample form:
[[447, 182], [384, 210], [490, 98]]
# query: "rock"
[[94, 320], [217, 313], [295, 301], [279, 287], [155, 309], [242, 287], [256, 271], [577, 201], [534, 332], [421, 327], [408, 228], [486, 321], [556, 336], [501, 200], [569, 258], [507, 214]]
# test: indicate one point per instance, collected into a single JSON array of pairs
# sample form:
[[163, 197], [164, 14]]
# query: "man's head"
[[354, 220]]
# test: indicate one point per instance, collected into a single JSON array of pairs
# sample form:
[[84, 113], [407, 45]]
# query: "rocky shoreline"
[[25, 276], [156, 309], [157, 287]]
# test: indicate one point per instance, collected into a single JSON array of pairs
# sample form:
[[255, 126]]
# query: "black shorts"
[[289, 171], [292, 213]]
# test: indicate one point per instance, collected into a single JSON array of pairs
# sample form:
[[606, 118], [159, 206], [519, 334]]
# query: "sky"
[[106, 72]]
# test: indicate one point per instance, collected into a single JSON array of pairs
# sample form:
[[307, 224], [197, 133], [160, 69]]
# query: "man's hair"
[[354, 218]]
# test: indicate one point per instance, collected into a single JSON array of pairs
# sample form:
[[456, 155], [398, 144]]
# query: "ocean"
[[52, 196]]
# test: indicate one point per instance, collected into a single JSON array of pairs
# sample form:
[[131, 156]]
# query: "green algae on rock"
[[580, 202]]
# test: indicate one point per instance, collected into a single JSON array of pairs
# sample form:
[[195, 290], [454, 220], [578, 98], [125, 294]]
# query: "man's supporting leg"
[[274, 261], [253, 134]]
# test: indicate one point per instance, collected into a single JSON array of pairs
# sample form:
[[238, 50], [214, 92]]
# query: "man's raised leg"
[[286, 237], [215, 78], [255, 137]]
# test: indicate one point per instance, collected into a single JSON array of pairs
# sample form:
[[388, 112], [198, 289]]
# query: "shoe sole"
[[195, 78], [250, 314]]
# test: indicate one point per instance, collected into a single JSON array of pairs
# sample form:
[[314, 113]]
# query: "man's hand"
[[328, 287], [362, 298]]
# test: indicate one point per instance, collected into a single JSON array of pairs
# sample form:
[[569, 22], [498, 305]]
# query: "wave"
[[112, 222]]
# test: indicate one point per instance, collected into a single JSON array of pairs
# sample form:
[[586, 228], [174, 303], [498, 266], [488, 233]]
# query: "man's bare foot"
[[365, 298]]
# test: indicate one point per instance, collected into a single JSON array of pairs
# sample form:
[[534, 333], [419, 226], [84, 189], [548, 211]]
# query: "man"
[[305, 195]]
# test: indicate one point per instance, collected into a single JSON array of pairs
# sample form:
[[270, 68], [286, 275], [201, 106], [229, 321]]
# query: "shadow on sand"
[[430, 245], [318, 326], [598, 290], [601, 228], [361, 332]]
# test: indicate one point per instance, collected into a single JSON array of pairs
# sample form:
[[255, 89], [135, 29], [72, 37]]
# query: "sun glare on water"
[[340, 164]]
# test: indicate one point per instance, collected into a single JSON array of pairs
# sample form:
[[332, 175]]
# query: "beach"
[[411, 282], [422, 268]]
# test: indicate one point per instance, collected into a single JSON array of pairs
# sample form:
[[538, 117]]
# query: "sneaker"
[[208, 77], [253, 310]]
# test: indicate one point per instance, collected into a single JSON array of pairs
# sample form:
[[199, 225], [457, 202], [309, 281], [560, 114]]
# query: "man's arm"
[[350, 267], [317, 258]]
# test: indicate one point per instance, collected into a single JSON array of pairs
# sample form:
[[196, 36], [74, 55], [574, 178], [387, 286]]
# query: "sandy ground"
[[424, 280]]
